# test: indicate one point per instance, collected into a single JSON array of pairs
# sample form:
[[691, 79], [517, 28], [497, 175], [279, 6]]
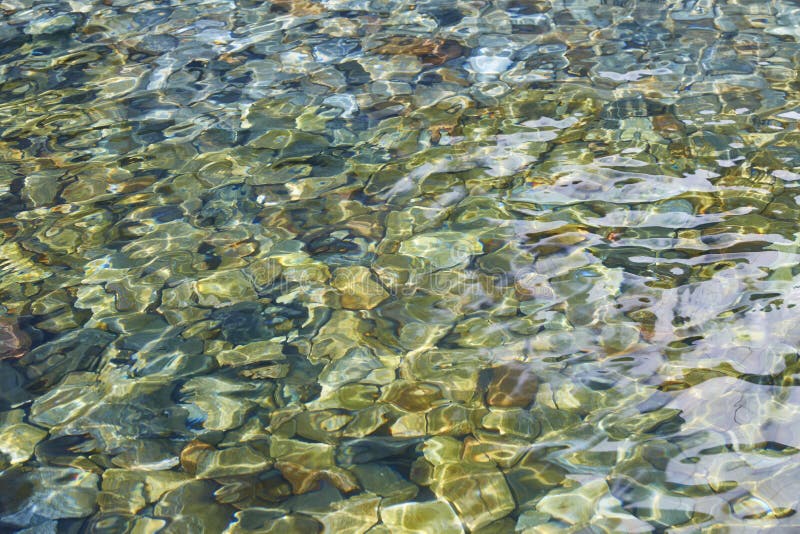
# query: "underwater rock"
[[574, 507], [359, 291], [440, 450], [412, 396], [11, 386], [46, 493], [353, 516], [513, 385], [248, 322], [421, 517], [224, 289], [50, 25], [343, 332], [79, 350], [354, 266], [305, 465], [251, 353], [354, 366], [371, 449], [128, 491], [18, 440], [385, 482], [618, 338], [13, 341], [156, 44], [480, 495], [442, 249], [504, 451], [233, 461], [271, 521], [433, 51], [191, 507]]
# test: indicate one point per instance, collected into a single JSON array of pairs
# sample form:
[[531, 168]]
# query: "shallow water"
[[372, 266]]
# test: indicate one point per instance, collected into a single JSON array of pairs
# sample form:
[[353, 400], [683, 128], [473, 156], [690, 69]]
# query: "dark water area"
[[385, 267]]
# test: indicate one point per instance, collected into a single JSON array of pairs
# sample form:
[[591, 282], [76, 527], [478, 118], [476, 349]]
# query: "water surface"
[[380, 266]]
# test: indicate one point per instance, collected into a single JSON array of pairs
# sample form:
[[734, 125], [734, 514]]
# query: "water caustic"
[[357, 266]]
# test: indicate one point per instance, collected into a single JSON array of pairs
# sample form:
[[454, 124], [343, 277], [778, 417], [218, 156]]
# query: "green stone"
[[575, 507], [256, 352], [17, 441], [191, 507], [353, 516], [272, 521], [308, 455], [234, 461], [224, 288], [442, 249], [480, 494], [421, 518], [385, 482]]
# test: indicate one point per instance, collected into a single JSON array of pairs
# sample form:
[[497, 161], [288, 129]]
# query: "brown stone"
[[304, 480], [513, 385], [13, 341], [193, 453], [299, 8], [667, 124], [433, 51]]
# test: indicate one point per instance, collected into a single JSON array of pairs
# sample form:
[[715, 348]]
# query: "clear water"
[[370, 266]]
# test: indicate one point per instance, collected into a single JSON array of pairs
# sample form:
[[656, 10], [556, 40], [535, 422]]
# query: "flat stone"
[[192, 508], [442, 249], [234, 461], [513, 385], [13, 341], [17, 441], [353, 516], [385, 482], [250, 353], [359, 291], [51, 25], [224, 288], [51, 493], [575, 507], [481, 495], [270, 521], [421, 518]]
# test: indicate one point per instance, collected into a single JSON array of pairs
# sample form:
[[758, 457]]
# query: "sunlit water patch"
[[372, 266]]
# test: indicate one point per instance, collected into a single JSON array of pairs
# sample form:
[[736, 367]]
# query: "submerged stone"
[[442, 249], [513, 385], [191, 507], [234, 461], [421, 518], [358, 289], [413, 396], [353, 516], [385, 482], [51, 25], [13, 341], [480, 495], [224, 288], [79, 350], [50, 493], [272, 521], [574, 507], [18, 440], [247, 322]]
